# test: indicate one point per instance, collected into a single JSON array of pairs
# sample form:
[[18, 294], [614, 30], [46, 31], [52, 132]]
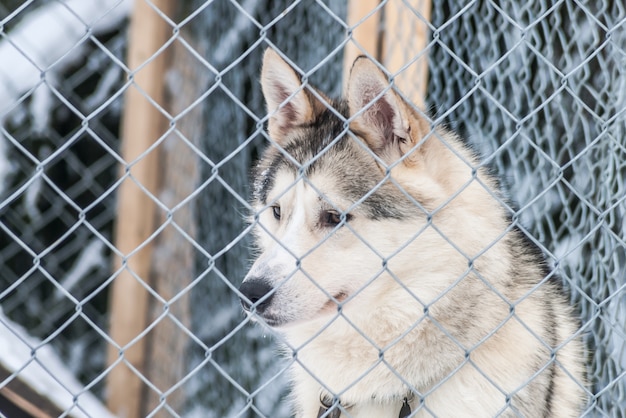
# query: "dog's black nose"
[[256, 294]]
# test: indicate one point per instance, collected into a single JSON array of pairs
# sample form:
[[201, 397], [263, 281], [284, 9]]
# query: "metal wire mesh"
[[544, 69], [538, 88]]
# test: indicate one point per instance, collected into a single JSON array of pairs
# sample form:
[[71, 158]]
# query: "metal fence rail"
[[538, 89]]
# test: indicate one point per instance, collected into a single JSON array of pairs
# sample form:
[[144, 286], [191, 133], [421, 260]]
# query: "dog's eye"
[[276, 212], [332, 218]]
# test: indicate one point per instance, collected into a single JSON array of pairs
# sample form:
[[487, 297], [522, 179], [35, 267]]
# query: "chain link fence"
[[538, 88]]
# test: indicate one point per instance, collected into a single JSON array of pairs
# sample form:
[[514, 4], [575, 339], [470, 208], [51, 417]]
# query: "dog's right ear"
[[389, 125], [289, 103]]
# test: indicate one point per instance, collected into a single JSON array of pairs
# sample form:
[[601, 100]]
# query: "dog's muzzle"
[[256, 295]]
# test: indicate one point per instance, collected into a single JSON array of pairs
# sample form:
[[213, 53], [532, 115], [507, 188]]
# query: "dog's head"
[[343, 195]]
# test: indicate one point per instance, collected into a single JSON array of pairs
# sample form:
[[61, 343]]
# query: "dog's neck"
[[330, 408]]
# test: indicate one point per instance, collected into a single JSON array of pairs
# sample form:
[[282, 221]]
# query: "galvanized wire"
[[537, 88]]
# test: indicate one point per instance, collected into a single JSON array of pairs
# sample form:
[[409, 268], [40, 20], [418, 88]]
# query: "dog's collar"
[[329, 408]]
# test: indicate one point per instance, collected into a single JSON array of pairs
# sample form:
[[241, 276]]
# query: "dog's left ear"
[[389, 125]]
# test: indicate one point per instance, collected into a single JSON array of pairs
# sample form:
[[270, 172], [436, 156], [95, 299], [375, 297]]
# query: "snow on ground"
[[40, 367]]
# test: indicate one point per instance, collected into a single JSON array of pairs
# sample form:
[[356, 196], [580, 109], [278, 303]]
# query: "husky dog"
[[389, 264]]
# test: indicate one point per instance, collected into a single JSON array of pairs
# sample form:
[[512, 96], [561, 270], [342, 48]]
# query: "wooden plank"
[[14, 404], [405, 39], [17, 399], [142, 125], [365, 24], [174, 261]]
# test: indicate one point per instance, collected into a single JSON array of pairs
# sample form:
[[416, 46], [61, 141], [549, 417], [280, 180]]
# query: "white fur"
[[375, 310]]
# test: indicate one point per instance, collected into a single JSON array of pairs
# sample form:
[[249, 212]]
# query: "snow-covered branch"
[[47, 38], [44, 43]]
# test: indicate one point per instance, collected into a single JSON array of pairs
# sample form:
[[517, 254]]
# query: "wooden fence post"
[[405, 40], [395, 36], [174, 261], [365, 31], [142, 125]]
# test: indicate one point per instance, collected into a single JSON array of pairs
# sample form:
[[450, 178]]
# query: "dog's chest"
[[330, 409]]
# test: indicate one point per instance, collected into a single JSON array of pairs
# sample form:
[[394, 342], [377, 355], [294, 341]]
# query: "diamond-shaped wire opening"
[[512, 75]]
